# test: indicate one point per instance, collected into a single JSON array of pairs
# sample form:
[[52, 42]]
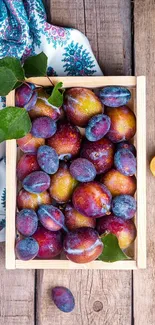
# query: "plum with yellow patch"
[[92, 199], [26, 200], [30, 144], [124, 230], [62, 184], [118, 184], [83, 245], [75, 219], [80, 105], [66, 141], [123, 123], [43, 108]]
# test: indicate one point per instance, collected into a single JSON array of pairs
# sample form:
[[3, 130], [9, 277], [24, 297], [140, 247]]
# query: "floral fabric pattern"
[[24, 32]]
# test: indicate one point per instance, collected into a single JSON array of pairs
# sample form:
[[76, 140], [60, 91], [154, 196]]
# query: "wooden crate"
[[138, 250]]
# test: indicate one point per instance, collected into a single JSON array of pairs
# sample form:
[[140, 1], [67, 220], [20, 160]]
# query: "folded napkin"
[[24, 32]]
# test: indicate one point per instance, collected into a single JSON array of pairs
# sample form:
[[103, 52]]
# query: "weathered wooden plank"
[[16, 295], [144, 285], [108, 27], [102, 297]]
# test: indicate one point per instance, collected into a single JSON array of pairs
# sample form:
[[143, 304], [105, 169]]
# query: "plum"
[[62, 184], [66, 141], [74, 219], [125, 162], [30, 144], [26, 200], [51, 217], [100, 153], [124, 230], [48, 159], [43, 127], [114, 96], [27, 222], [27, 164], [97, 127], [123, 123], [44, 108], [27, 249], [118, 184], [50, 242], [82, 170], [124, 206], [80, 105], [82, 245], [126, 145], [26, 96], [63, 299], [36, 182], [92, 199]]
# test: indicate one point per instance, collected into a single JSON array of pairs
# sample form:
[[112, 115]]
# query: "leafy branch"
[[12, 76]]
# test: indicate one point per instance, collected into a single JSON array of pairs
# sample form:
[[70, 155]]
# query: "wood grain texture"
[[144, 284], [108, 27], [16, 295], [92, 289]]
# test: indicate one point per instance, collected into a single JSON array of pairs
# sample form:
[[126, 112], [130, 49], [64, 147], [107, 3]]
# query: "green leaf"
[[36, 66], [56, 98], [111, 251], [7, 81], [15, 123], [14, 65]]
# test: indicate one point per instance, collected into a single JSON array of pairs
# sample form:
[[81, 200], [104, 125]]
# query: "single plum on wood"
[[82, 170], [124, 230], [44, 108], [97, 127], [27, 164], [30, 144], [80, 105], [92, 199], [51, 217], [100, 153], [62, 184], [126, 145], [124, 206], [125, 162], [36, 182], [123, 123], [27, 249], [26, 96], [66, 141], [75, 220], [48, 159], [27, 222], [50, 243], [114, 96], [83, 245], [63, 299], [43, 127], [118, 184], [26, 200]]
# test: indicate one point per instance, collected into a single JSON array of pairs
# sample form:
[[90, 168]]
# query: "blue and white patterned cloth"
[[24, 31]]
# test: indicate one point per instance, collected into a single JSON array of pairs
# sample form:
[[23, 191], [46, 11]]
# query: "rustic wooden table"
[[122, 36]]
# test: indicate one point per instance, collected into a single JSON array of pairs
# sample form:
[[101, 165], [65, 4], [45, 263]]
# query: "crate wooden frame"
[[138, 87]]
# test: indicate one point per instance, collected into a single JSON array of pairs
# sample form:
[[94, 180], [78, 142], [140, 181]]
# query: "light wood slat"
[[144, 47], [112, 289], [68, 265], [129, 81]]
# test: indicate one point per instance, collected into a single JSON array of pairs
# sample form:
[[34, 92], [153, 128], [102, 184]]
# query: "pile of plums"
[[77, 173]]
